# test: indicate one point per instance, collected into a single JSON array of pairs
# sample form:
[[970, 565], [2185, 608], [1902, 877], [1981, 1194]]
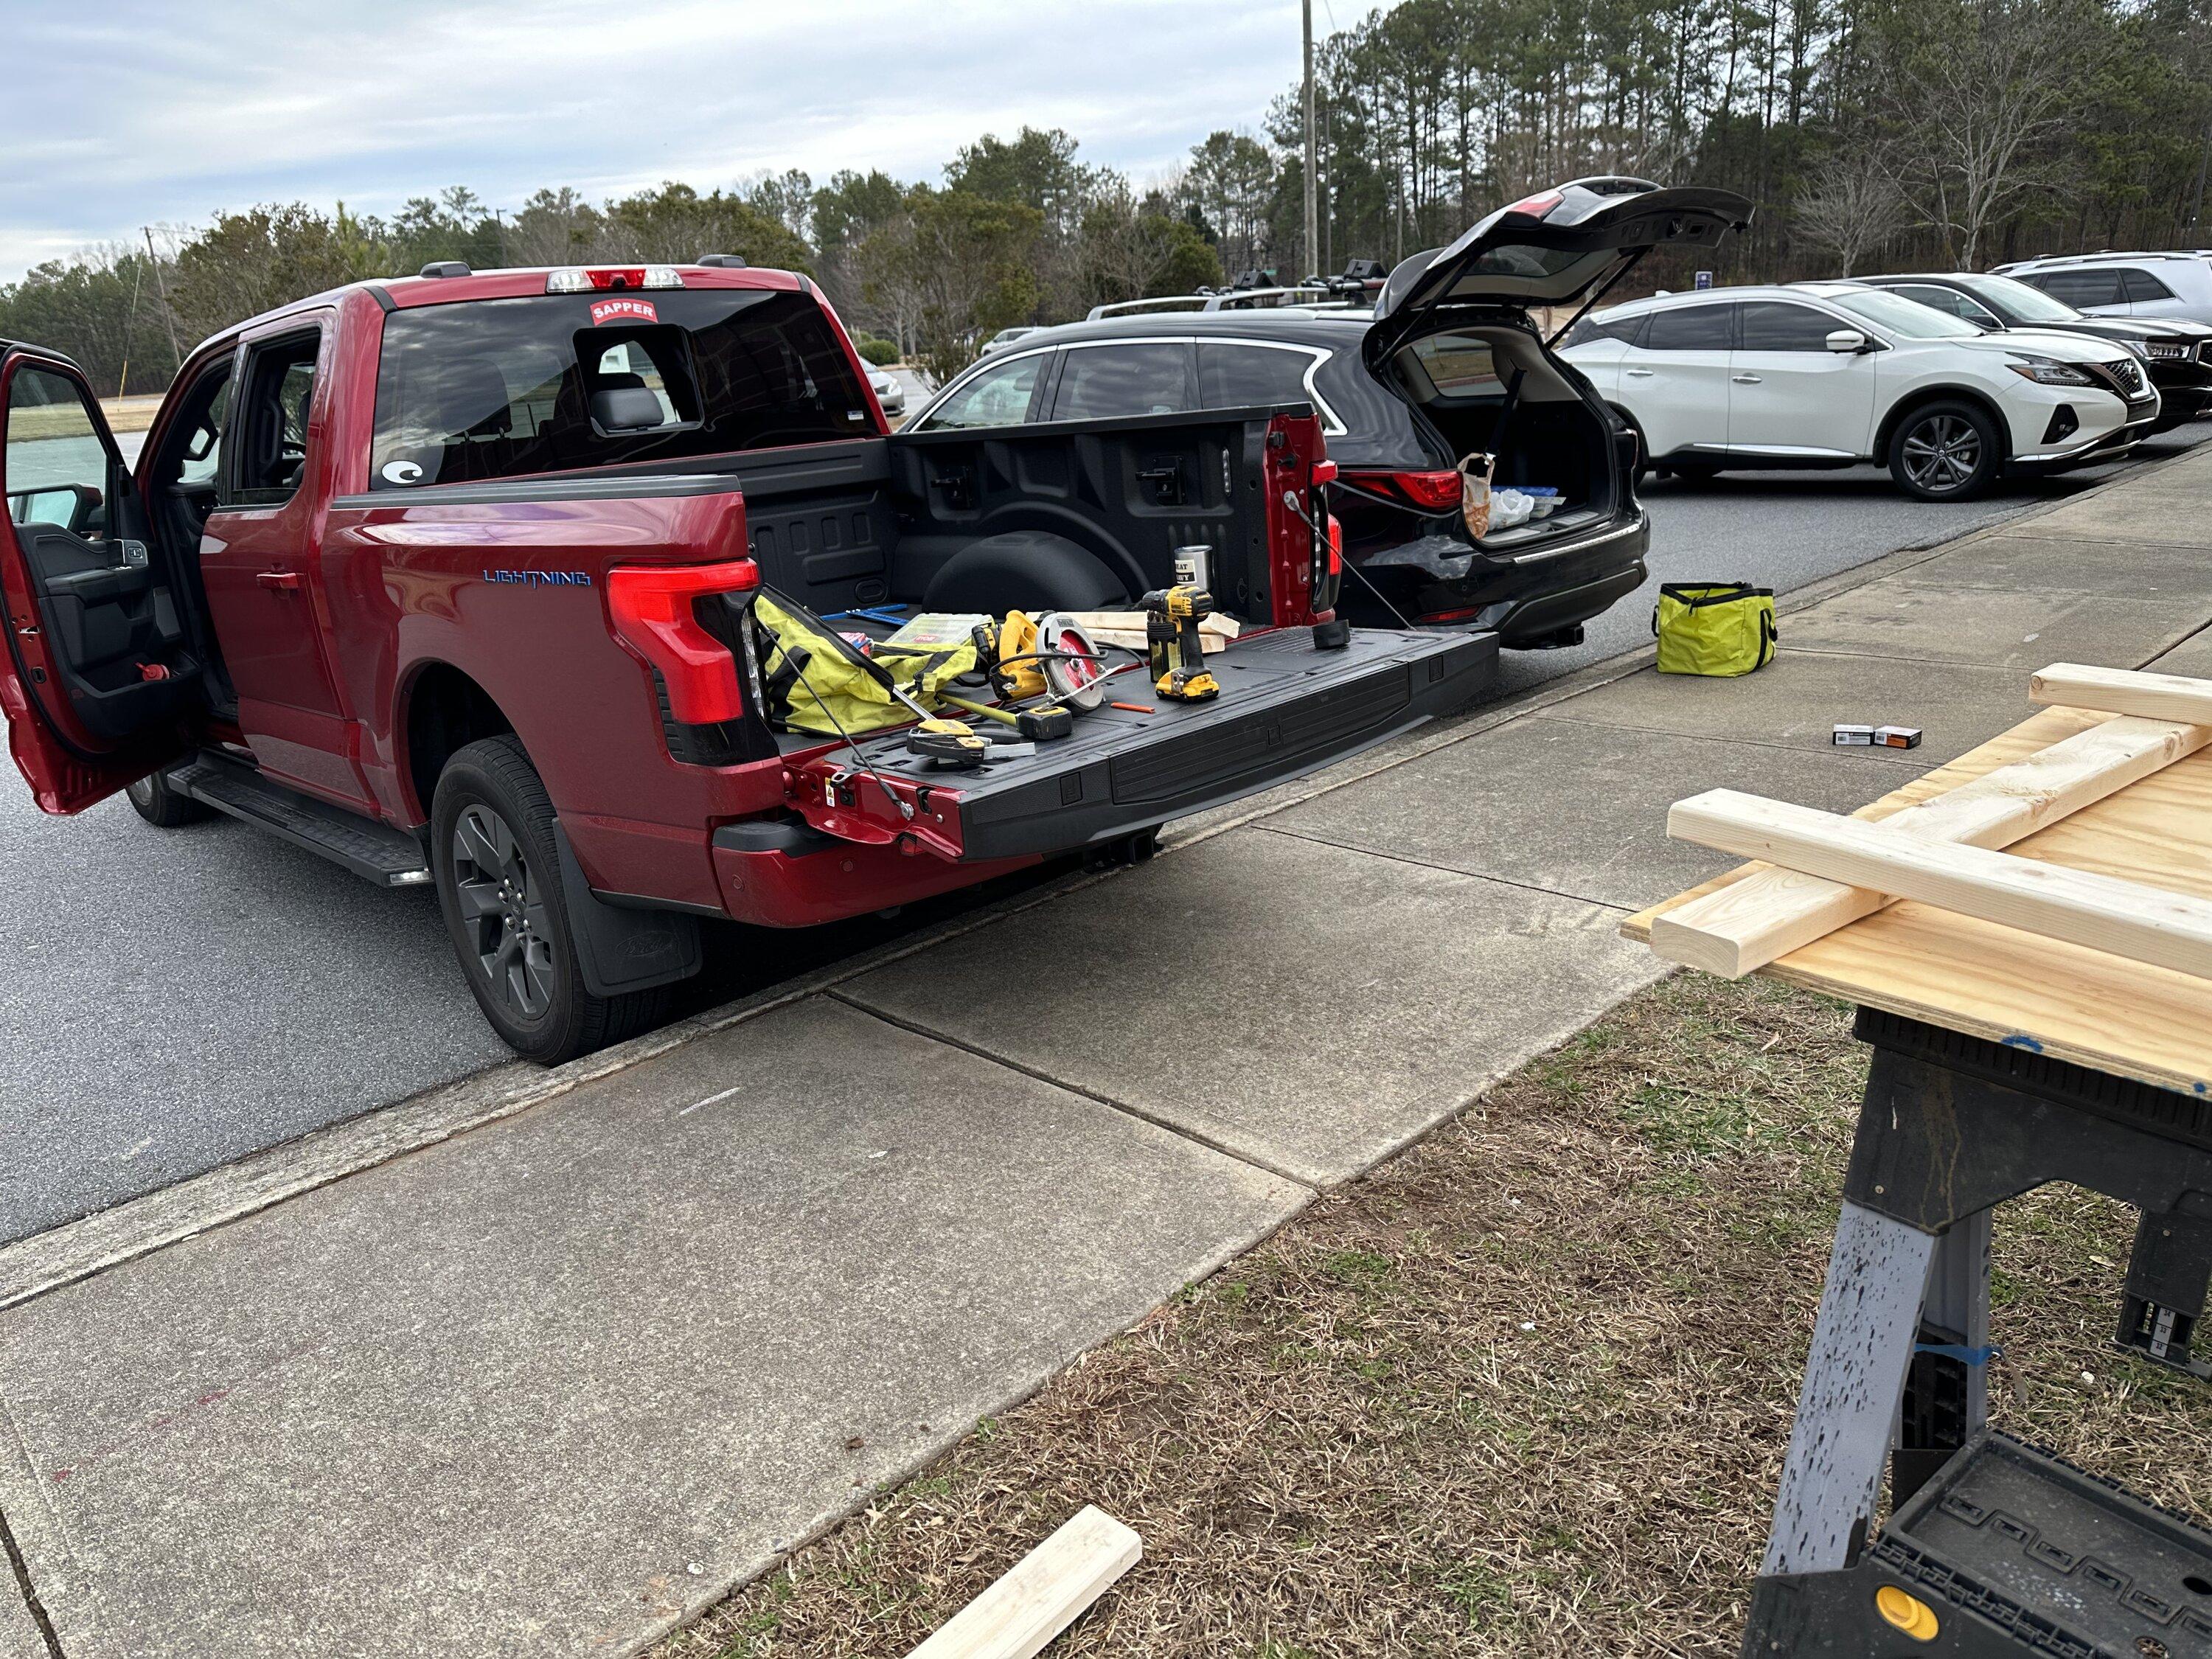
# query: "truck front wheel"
[[499, 883], [153, 800]]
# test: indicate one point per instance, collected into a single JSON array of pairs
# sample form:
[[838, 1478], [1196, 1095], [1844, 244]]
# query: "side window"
[[2080, 288], [2141, 285], [269, 435], [1623, 329], [59, 465], [998, 396], [1691, 328], [1101, 382], [1251, 376], [1949, 300], [1775, 325]]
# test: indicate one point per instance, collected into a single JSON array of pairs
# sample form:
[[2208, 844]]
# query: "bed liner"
[[1286, 707]]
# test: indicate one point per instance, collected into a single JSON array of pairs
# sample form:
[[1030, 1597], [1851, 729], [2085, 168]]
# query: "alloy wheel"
[[503, 912], [1943, 454]]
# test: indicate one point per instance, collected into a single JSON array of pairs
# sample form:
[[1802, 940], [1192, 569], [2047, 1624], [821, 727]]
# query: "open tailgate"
[[1285, 709]]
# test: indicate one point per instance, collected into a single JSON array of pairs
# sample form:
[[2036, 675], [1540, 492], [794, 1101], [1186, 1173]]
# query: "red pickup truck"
[[451, 580]]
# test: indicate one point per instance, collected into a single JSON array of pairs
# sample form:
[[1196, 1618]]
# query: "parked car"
[[1835, 375], [1007, 336], [459, 580], [2123, 284], [1400, 399], [2179, 352], [890, 389]]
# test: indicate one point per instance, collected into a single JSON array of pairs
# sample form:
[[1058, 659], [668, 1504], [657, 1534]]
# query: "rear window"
[[1690, 328], [2141, 285], [1251, 376], [1603, 327], [502, 388], [1459, 365]]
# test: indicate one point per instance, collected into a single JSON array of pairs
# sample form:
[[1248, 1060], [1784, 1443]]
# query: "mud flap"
[[621, 949]]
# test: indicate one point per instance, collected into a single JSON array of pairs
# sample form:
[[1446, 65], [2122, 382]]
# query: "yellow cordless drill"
[[1171, 618]]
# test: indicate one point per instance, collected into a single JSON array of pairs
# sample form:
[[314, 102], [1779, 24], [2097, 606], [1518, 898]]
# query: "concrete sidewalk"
[[549, 1386]]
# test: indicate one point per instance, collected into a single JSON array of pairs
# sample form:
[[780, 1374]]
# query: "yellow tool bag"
[[1721, 628], [817, 680]]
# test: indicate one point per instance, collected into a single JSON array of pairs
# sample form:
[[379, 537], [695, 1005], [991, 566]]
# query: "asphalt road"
[[182, 998]]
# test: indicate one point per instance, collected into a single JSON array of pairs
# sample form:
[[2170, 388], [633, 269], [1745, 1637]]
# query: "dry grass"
[[1522, 1392]]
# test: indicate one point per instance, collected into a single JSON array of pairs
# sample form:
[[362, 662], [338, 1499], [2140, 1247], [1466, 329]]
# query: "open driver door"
[[96, 684]]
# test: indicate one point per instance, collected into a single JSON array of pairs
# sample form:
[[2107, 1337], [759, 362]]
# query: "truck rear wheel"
[[499, 884]]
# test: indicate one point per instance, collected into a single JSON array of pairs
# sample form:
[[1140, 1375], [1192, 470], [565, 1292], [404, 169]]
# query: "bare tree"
[[1850, 204], [1974, 93]]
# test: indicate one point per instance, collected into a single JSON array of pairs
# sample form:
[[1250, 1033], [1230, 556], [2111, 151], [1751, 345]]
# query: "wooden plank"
[[1040, 1596], [1749, 923], [2054, 999], [2102, 913], [2036, 733], [2123, 691]]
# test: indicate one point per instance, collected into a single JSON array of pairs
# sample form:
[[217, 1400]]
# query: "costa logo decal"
[[623, 311]]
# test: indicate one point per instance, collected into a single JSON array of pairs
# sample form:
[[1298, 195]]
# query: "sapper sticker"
[[623, 311]]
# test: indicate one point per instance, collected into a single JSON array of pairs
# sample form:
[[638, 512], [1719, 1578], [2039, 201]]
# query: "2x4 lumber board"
[[2123, 691], [1740, 927], [2099, 912], [1041, 1594]]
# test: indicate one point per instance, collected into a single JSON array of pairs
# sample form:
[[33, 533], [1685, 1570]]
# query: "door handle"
[[1640, 373], [1746, 380], [282, 582]]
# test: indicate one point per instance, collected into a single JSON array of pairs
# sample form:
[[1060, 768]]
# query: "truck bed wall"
[[875, 519]]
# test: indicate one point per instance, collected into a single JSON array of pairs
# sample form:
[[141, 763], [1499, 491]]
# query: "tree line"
[[1952, 133]]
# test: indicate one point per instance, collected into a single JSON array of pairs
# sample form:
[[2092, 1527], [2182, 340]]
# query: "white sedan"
[[1833, 374]]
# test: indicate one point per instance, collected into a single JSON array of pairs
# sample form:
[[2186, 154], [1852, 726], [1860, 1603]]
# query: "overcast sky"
[[121, 113]]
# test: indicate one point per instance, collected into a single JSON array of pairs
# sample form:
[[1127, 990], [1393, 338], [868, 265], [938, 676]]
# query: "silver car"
[[891, 391], [2123, 284]]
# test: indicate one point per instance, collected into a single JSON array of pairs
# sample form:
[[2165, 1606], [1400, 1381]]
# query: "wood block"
[[1749, 923], [1040, 1596], [2099, 912], [2123, 691]]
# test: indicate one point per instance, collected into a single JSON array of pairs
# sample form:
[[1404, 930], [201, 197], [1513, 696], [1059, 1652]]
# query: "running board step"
[[388, 857]]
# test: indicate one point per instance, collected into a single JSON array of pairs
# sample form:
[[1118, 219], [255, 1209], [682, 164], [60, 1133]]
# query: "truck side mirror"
[[1848, 340]]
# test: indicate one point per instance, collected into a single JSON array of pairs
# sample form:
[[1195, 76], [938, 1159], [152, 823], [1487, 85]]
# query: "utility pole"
[[167, 315], [1313, 219]]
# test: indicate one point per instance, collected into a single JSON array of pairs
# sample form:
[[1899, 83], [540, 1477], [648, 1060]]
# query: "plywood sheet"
[[1996, 983]]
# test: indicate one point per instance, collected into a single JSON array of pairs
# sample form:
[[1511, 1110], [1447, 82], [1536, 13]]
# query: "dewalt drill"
[[1171, 618]]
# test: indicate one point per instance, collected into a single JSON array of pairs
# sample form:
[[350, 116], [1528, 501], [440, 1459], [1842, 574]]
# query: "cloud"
[[219, 106]]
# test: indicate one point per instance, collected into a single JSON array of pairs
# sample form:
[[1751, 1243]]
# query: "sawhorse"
[[1993, 1548]]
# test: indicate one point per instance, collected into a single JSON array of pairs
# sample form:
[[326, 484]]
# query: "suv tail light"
[[652, 608], [1538, 205], [1425, 492]]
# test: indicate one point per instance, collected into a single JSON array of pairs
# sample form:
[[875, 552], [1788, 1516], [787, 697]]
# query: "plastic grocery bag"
[[1474, 492], [1509, 507]]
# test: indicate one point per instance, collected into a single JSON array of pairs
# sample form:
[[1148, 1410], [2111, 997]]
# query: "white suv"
[[2123, 284], [1832, 375]]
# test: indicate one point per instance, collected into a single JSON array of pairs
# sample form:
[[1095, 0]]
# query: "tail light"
[[1424, 492], [582, 279], [1538, 205], [652, 608]]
